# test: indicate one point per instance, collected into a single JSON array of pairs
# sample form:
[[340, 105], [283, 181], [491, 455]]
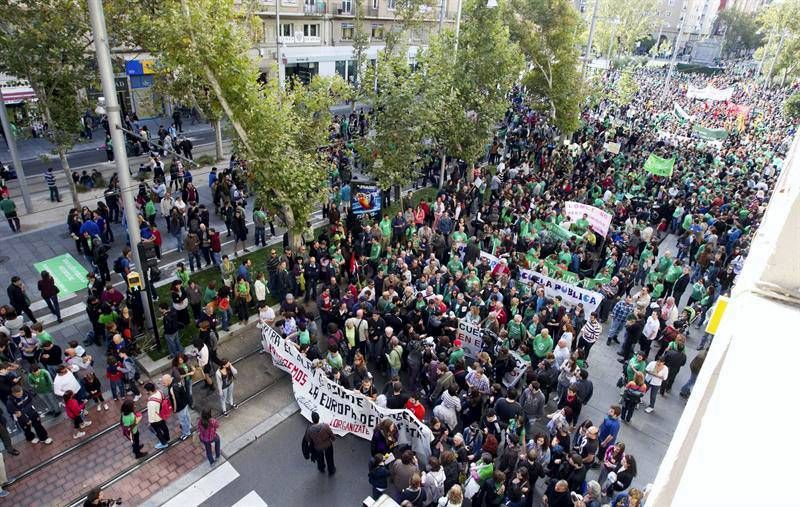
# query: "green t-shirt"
[[673, 273], [515, 329], [455, 355], [41, 382], [8, 206], [698, 291], [386, 228], [658, 290], [687, 222], [129, 421], [44, 337], [542, 345]]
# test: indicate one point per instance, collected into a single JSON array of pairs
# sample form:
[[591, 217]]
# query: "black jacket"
[[178, 396], [17, 297]]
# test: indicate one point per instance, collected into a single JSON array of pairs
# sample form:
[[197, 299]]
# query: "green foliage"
[[625, 88], [791, 107], [466, 98], [392, 148], [48, 44], [546, 33], [278, 130], [781, 19], [636, 20], [741, 31]]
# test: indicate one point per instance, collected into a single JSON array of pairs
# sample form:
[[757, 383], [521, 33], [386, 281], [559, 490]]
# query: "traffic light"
[[147, 254]]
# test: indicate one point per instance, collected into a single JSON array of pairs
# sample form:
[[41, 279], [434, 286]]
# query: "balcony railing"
[[315, 8], [299, 38]]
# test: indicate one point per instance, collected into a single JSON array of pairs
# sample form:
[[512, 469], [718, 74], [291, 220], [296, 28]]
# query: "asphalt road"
[[78, 159], [274, 468]]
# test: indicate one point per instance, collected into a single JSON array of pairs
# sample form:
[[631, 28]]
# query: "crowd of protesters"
[[388, 294]]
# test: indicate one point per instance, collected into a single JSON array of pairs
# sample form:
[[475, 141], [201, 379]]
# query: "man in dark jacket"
[[674, 358], [20, 405], [18, 299], [321, 438], [179, 399]]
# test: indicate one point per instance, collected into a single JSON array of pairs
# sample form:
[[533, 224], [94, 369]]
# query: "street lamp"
[[588, 55], [674, 52]]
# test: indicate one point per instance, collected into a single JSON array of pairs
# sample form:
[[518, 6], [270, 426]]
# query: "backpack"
[[118, 266], [165, 408], [433, 488]]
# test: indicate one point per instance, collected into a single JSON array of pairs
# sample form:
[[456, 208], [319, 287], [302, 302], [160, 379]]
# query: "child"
[[92, 385], [115, 378], [182, 274], [74, 410]]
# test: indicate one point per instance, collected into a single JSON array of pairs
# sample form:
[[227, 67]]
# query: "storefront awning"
[[17, 94]]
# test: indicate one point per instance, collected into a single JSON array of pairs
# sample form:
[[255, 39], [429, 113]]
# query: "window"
[[375, 4], [287, 30], [347, 70], [347, 6], [377, 31], [390, 4], [347, 31], [311, 30]]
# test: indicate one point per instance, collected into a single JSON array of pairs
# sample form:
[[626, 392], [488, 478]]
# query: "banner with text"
[[512, 377], [709, 133], [599, 220], [709, 93], [659, 166], [570, 294], [470, 336], [345, 410]]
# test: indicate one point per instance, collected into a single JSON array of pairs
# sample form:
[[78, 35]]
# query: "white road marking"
[[205, 488], [252, 499]]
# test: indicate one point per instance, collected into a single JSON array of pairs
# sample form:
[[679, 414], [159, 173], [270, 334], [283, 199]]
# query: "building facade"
[[316, 36]]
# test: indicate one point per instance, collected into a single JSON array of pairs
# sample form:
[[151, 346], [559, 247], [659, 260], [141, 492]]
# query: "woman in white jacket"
[[202, 355]]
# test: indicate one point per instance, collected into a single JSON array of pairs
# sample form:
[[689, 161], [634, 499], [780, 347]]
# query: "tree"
[[466, 98], [741, 31], [47, 43], [391, 150], [546, 32], [278, 130], [625, 88], [791, 107], [627, 21], [783, 21]]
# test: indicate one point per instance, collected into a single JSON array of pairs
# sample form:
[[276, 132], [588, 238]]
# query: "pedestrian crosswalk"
[[209, 485]]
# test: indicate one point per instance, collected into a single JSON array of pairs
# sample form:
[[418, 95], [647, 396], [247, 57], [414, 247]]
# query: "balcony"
[[299, 38], [315, 8]]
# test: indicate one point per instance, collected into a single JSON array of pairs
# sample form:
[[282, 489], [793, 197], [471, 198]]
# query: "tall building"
[[316, 36]]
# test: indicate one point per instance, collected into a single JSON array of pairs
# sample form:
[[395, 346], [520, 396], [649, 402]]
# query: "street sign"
[[68, 273]]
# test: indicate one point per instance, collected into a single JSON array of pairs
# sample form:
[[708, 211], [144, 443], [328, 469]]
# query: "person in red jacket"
[[74, 410], [156, 240], [416, 407], [216, 246]]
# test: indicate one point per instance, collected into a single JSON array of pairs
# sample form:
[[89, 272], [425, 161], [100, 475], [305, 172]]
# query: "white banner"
[[570, 294], [599, 220], [709, 93], [612, 147], [493, 261], [470, 336], [345, 410]]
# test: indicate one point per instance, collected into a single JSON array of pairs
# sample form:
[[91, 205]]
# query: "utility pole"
[[615, 24], [589, 42], [281, 74], [764, 56], [674, 52], [103, 54], [12, 147]]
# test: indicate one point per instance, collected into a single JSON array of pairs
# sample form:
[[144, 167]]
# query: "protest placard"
[[659, 166], [471, 337], [570, 294], [599, 220]]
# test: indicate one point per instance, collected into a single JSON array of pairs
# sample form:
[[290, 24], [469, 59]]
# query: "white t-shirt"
[[656, 379]]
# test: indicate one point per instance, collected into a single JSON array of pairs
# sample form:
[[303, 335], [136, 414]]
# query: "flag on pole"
[[354, 267], [659, 166]]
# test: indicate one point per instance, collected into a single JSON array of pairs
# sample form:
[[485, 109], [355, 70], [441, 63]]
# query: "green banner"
[[68, 273], [659, 166], [557, 231], [710, 134], [680, 113]]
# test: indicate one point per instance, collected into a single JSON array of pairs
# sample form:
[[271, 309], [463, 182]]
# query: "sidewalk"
[[34, 148], [72, 474]]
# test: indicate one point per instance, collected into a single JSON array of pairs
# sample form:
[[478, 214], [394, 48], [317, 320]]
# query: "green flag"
[[659, 166], [680, 113], [710, 134]]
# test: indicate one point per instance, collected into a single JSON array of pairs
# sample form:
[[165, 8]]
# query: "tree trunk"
[[442, 169], [62, 155], [218, 138], [295, 238]]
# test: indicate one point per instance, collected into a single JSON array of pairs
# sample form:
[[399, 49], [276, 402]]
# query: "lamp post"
[[112, 109], [615, 23], [674, 52], [588, 55], [775, 58]]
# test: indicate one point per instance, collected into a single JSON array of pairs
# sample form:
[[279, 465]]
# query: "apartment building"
[[315, 37]]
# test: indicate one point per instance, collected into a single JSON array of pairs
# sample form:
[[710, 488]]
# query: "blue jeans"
[[207, 445], [195, 257], [260, 236], [179, 240], [225, 317], [186, 424], [215, 258], [52, 305], [686, 390], [174, 344], [118, 389], [616, 327]]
